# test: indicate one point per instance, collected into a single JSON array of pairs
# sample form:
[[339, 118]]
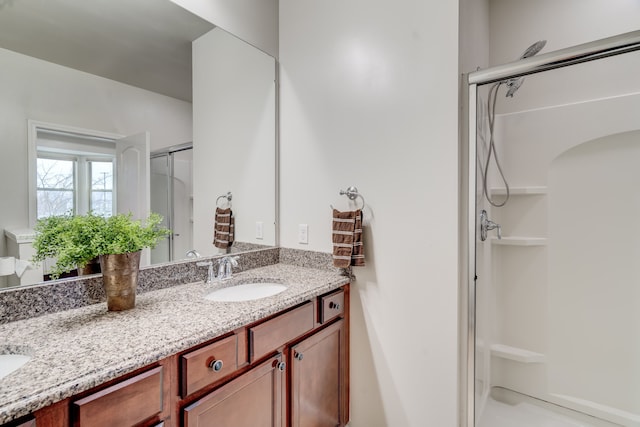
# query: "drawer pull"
[[299, 356], [216, 365], [282, 366], [334, 305]]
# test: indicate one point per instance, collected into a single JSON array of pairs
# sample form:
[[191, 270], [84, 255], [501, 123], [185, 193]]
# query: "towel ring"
[[352, 194], [224, 196]]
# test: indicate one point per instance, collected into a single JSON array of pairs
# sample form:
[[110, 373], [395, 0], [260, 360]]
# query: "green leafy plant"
[[74, 240]]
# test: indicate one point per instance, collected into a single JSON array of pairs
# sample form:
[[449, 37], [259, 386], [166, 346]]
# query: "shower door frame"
[[611, 46], [169, 152]]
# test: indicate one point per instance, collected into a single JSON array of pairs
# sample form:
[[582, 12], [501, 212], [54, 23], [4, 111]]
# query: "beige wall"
[[369, 98]]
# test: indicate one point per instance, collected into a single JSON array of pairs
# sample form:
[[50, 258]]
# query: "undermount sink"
[[11, 360], [246, 292]]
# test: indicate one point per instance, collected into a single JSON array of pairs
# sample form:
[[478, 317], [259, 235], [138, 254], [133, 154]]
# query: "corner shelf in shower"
[[516, 354], [519, 241], [519, 191]]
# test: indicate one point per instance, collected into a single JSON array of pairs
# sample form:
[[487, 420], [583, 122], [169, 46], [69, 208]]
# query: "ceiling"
[[143, 43]]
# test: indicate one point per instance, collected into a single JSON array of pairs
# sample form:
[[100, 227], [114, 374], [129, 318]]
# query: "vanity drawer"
[[331, 306], [208, 364], [124, 404], [270, 335]]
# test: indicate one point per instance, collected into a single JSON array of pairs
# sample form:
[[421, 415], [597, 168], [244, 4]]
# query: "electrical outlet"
[[303, 234], [259, 230]]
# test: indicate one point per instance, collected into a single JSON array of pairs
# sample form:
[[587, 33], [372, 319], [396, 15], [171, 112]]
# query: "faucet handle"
[[210, 273]]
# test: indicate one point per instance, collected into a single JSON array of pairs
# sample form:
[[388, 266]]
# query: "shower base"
[[506, 408]]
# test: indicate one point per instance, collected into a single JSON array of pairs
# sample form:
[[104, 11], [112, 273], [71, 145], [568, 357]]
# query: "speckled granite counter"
[[77, 349]]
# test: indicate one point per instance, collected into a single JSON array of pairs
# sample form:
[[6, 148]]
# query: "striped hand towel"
[[357, 257], [223, 228], [348, 249]]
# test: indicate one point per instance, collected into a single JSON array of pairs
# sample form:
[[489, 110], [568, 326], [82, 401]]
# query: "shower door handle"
[[487, 225]]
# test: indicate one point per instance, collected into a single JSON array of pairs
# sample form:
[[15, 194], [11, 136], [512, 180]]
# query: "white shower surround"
[[530, 308]]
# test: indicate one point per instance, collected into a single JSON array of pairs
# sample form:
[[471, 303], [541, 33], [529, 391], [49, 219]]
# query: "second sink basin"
[[245, 292], [11, 360]]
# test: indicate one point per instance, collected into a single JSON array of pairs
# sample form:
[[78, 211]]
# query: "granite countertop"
[[75, 350]]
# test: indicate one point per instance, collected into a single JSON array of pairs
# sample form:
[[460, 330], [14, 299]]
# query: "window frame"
[[33, 128]]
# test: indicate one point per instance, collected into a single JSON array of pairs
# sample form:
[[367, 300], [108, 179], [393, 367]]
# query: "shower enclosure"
[[553, 291], [172, 197]]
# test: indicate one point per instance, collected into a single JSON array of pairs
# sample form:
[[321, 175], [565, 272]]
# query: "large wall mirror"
[[79, 76]]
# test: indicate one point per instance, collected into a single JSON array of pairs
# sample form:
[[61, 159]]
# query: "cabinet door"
[[319, 379], [254, 399]]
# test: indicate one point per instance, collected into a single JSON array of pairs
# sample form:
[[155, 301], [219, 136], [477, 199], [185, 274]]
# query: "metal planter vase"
[[91, 267], [120, 278]]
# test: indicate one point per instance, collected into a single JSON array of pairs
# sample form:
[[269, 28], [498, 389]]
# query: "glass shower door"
[[558, 296], [161, 203]]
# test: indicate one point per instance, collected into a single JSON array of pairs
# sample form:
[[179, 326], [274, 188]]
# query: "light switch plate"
[[259, 230], [303, 234]]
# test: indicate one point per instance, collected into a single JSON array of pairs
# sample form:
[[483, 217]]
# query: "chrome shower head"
[[514, 84], [533, 49]]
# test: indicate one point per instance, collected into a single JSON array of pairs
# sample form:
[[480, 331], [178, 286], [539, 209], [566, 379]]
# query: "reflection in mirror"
[[233, 138], [172, 197], [63, 71]]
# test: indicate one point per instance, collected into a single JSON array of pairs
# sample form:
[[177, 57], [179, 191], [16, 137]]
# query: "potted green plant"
[[75, 240]]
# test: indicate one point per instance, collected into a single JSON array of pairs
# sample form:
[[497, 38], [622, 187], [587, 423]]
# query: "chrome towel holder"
[[227, 196], [352, 193]]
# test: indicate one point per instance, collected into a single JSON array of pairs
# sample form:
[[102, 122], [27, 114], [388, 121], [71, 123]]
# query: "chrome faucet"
[[211, 276], [225, 267], [487, 225]]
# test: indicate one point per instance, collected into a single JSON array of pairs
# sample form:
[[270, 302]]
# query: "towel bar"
[[224, 196], [352, 193]]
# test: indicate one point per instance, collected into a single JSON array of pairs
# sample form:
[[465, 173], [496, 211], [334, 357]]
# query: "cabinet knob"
[[299, 356], [334, 305], [282, 366], [216, 365]]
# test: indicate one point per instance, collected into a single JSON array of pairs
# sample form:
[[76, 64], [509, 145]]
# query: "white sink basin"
[[11, 362], [245, 292]]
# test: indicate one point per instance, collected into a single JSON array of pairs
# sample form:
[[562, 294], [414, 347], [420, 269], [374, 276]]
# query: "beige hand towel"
[[223, 228]]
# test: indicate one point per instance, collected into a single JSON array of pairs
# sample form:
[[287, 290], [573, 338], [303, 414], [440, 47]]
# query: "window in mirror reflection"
[[101, 201], [56, 186], [74, 183]]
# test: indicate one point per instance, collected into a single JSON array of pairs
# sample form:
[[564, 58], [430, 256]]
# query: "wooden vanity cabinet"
[[254, 399], [319, 378], [207, 365], [28, 422], [288, 370], [136, 401], [268, 336], [304, 383]]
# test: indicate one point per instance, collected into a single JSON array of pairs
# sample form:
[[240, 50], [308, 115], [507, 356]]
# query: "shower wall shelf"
[[516, 354], [519, 241], [519, 191]]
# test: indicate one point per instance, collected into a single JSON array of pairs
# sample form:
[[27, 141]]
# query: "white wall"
[[255, 21], [39, 90], [369, 96], [233, 137], [474, 35]]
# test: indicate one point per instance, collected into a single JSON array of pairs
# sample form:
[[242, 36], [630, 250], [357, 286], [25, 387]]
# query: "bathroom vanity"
[[178, 359]]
